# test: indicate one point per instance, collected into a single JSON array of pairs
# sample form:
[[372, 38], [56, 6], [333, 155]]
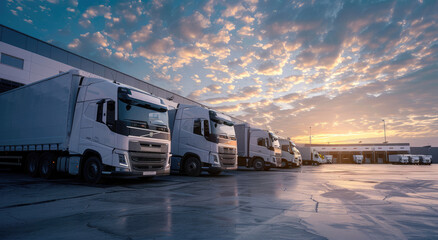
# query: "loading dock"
[[373, 153]]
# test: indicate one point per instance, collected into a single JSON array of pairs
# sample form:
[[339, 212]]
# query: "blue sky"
[[338, 66]]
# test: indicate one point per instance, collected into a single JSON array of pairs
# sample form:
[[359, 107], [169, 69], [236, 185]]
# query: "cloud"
[[143, 34], [185, 55], [245, 93], [75, 43], [95, 11], [191, 27], [213, 88], [246, 31], [233, 10]]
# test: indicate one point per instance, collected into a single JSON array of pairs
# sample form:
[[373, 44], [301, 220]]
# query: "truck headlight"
[[214, 159], [122, 159]]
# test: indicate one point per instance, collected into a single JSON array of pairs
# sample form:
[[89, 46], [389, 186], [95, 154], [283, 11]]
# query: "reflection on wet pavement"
[[323, 202]]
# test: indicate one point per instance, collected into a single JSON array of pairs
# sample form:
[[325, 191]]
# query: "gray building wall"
[[426, 151]]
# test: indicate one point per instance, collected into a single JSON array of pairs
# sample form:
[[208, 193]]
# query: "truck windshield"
[[221, 127], [222, 130], [274, 140], [141, 114]]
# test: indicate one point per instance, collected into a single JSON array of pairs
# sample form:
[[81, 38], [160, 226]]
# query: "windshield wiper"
[[146, 125]]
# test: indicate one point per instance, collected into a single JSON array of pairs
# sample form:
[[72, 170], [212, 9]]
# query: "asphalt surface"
[[313, 202]]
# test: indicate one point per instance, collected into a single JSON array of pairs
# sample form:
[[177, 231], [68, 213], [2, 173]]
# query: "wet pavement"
[[314, 202]]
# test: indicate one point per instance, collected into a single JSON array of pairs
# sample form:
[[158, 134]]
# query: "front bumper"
[[127, 173]]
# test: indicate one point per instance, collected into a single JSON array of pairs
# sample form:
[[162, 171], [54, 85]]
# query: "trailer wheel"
[[192, 167], [258, 164], [47, 165], [32, 161], [92, 171]]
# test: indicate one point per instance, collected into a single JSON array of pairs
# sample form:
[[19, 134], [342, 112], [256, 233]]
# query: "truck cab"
[[257, 148], [358, 159], [329, 158], [291, 156], [202, 140], [425, 159], [127, 127], [413, 159]]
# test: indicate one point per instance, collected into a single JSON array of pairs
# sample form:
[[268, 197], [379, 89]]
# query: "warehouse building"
[[372, 153], [25, 59], [426, 150]]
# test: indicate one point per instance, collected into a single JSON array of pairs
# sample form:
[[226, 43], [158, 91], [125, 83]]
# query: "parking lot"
[[312, 202]]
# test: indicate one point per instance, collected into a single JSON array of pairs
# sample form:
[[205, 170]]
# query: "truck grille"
[[228, 156], [145, 156], [228, 159]]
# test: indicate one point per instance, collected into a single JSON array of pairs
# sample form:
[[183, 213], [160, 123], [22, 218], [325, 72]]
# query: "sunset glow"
[[339, 67]]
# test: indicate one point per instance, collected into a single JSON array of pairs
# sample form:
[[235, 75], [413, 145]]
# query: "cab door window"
[[261, 142], [197, 129]]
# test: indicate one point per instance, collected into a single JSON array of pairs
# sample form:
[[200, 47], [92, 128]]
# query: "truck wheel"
[[47, 165], [192, 167], [258, 164], [92, 170], [32, 164], [283, 164]]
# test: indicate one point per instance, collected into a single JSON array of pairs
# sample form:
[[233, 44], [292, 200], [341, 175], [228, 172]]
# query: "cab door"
[[105, 122]]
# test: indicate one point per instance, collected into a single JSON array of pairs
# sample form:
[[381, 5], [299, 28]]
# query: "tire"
[[47, 165], [32, 164], [258, 164], [92, 171], [192, 167], [284, 164]]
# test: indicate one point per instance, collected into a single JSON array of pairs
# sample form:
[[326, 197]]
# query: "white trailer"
[[398, 159], [290, 155], [413, 159], [87, 126], [202, 139], [257, 148], [310, 156], [358, 159], [329, 158], [425, 159]]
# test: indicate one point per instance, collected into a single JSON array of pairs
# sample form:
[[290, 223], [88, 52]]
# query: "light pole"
[[310, 136], [310, 139], [384, 129]]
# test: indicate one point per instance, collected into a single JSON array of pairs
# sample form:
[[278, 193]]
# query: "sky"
[[339, 67]]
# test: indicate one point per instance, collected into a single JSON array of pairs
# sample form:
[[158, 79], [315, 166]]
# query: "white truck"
[[358, 159], [310, 156], [329, 158], [323, 160], [425, 159], [257, 148], [398, 159], [413, 159], [290, 155], [202, 139], [88, 126]]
